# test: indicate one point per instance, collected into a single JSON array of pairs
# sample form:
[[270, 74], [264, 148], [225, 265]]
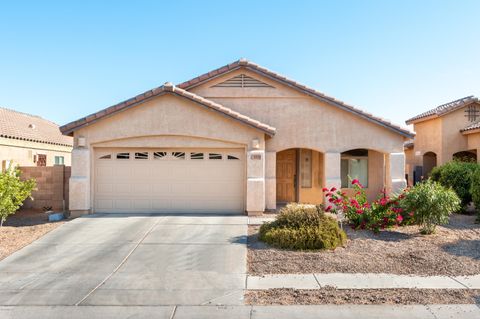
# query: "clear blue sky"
[[63, 60]]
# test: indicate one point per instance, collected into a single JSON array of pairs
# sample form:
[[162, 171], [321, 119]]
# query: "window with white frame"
[[354, 165], [59, 160]]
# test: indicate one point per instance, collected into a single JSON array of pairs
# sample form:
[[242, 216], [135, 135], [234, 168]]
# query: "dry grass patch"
[[361, 296]]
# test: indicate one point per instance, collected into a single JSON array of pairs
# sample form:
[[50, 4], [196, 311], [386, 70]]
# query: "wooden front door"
[[286, 176]]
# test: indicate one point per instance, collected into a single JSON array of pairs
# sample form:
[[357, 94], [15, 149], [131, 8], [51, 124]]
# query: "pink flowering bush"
[[385, 212]]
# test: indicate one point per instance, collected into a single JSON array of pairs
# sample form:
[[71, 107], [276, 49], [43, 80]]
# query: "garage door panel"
[[161, 189], [180, 188], [103, 188], [161, 204], [169, 183], [104, 204], [122, 204], [123, 187], [141, 189], [142, 204]]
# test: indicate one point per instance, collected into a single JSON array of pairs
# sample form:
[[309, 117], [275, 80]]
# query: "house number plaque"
[[256, 156]]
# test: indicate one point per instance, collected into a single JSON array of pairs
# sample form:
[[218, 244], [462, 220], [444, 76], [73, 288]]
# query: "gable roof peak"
[[167, 88], [444, 108], [251, 66]]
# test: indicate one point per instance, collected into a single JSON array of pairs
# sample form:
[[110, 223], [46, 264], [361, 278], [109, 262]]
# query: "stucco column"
[[332, 167], [271, 180], [79, 185], [478, 155], [255, 182], [396, 172]]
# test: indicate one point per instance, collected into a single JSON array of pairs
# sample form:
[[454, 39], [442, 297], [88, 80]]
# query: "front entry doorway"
[[287, 176]]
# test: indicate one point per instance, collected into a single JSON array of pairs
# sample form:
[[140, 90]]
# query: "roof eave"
[[471, 131], [70, 128], [247, 65], [421, 119]]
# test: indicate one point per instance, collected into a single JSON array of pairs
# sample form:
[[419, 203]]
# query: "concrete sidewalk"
[[245, 312], [361, 281]]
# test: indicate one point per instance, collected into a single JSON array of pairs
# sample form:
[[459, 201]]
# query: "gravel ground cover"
[[23, 228], [361, 296], [453, 250]]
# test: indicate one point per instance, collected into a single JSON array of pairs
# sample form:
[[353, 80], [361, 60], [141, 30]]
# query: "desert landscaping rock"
[[22, 229], [334, 296], [454, 250]]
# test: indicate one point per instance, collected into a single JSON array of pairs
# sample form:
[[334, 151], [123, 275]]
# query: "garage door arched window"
[[196, 156], [104, 157], [178, 155], [141, 155], [123, 156], [231, 157], [159, 155], [214, 156]]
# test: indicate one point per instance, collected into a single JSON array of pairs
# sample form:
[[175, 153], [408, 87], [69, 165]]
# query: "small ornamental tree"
[[13, 191], [432, 204]]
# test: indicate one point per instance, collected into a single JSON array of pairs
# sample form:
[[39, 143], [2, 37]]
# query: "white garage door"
[[164, 180]]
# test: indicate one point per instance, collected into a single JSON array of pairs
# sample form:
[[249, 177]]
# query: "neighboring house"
[[238, 138], [449, 131], [29, 140]]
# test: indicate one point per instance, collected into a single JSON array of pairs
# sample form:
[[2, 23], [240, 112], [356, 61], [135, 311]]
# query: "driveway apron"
[[122, 259]]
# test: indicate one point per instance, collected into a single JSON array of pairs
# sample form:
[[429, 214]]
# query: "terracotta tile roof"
[[471, 127], [408, 145], [168, 88], [445, 108], [309, 91], [22, 126]]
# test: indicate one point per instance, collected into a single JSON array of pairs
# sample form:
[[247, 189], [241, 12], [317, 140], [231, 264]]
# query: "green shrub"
[[458, 176], [297, 215], [303, 227], [13, 191], [431, 203], [475, 190]]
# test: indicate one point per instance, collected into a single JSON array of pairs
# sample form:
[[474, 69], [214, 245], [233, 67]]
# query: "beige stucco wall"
[[442, 136], [301, 122], [473, 142], [166, 121], [22, 152], [453, 141], [304, 122]]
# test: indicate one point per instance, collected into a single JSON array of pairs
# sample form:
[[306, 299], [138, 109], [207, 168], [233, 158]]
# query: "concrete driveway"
[[131, 260]]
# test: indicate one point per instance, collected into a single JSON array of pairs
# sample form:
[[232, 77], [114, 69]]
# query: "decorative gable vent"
[[472, 112], [243, 81]]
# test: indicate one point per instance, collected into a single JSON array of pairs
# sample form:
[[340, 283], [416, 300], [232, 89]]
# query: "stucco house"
[[29, 140], [239, 138], [448, 131]]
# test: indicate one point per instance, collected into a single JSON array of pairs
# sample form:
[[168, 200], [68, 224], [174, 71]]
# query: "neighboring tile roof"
[[471, 127], [445, 108], [22, 126], [309, 91], [167, 88]]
